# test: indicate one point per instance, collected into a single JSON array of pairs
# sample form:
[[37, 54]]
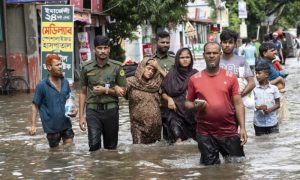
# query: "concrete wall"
[[23, 42], [32, 44]]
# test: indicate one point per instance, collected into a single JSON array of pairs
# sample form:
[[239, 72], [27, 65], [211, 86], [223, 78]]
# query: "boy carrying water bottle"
[[50, 99]]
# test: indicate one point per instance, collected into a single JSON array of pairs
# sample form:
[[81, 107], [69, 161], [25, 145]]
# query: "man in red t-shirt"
[[214, 94]]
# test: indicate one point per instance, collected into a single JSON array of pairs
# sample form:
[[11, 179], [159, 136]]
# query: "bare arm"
[[275, 107], [240, 114], [171, 103], [82, 98], [34, 110], [250, 86]]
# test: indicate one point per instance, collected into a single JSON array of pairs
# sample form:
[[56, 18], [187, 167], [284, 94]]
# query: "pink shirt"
[[218, 119]]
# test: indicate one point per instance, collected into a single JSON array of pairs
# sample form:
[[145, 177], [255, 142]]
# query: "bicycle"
[[15, 84]]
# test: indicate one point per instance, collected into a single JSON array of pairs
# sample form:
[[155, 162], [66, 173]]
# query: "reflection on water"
[[23, 156]]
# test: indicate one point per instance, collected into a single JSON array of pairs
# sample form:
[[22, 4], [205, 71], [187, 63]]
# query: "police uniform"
[[166, 62], [102, 111]]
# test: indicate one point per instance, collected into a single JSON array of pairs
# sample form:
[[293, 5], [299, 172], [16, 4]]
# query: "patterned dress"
[[144, 106]]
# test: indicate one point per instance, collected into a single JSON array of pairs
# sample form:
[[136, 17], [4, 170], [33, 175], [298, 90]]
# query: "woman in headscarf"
[[144, 101], [180, 124]]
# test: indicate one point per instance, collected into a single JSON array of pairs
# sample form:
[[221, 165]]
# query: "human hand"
[[262, 107], [98, 90], [120, 91], [32, 130], [154, 63], [171, 104], [243, 136], [82, 123], [73, 112], [200, 104]]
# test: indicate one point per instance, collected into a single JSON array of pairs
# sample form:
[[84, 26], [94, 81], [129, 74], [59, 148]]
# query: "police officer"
[[164, 58], [101, 84]]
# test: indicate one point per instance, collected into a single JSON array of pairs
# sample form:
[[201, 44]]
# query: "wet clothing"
[[233, 65], [166, 62], [51, 105], [102, 122], [144, 106], [102, 113], [54, 138], [265, 95], [266, 130], [210, 147], [180, 123], [218, 119]]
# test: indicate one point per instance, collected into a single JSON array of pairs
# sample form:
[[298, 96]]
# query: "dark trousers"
[[266, 130], [102, 122], [210, 148]]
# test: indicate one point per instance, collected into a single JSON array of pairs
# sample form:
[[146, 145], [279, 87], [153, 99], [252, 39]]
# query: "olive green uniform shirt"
[[92, 75], [166, 62]]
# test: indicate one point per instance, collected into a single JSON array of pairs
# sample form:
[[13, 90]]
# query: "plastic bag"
[[248, 100]]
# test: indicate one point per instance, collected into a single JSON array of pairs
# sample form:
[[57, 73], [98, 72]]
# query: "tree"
[[131, 13], [258, 11]]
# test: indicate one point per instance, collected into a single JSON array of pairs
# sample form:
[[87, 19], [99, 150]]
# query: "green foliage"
[[117, 53], [131, 13], [258, 10]]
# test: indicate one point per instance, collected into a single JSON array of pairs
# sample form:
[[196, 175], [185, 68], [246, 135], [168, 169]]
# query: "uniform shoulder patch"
[[122, 72]]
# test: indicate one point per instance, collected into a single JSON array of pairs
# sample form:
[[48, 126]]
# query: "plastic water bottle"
[[70, 105]]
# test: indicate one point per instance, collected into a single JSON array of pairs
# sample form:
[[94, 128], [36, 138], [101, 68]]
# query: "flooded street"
[[28, 157]]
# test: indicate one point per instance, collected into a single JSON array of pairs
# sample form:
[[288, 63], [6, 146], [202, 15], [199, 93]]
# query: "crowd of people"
[[166, 94]]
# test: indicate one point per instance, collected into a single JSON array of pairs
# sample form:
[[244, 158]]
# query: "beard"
[[211, 65]]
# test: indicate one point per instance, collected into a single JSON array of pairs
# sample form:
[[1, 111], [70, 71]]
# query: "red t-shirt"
[[218, 119]]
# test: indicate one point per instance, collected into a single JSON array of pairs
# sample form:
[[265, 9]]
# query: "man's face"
[[102, 52], [270, 54], [163, 45], [55, 69], [228, 46], [275, 36], [212, 56]]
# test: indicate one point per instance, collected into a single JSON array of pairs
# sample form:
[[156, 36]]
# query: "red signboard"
[[97, 6], [78, 4]]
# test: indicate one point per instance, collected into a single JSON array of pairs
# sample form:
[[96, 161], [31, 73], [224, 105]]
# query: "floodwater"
[[28, 157]]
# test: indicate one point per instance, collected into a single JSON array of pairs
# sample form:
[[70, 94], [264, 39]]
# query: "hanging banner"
[[96, 6], [78, 4], [57, 34], [243, 10], [84, 46]]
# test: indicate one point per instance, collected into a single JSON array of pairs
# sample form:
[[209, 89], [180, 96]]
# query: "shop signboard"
[[22, 1], [57, 34]]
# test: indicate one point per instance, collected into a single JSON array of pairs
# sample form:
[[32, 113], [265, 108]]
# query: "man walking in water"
[[214, 94], [50, 99]]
